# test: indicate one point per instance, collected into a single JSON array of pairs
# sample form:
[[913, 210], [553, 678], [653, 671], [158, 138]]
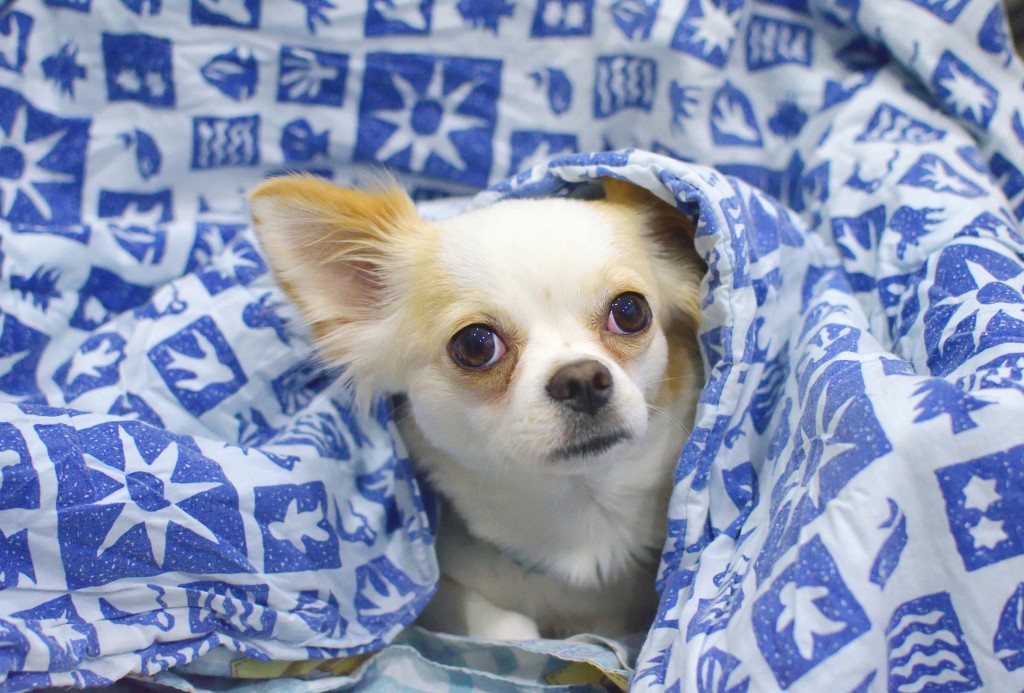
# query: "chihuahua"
[[545, 356]]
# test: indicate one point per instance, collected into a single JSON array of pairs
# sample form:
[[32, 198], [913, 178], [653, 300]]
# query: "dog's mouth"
[[590, 447]]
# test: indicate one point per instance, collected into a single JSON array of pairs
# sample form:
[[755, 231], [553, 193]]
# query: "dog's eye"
[[476, 347], [628, 313]]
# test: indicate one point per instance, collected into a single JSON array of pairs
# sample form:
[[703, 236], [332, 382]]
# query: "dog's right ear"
[[331, 249]]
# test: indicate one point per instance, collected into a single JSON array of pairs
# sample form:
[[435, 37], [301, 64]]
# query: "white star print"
[[980, 494], [988, 534], [31, 174], [424, 142], [154, 523]]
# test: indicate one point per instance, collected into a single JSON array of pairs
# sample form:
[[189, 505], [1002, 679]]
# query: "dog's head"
[[531, 332]]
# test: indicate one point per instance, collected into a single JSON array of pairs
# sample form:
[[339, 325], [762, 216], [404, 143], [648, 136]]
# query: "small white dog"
[[547, 350]]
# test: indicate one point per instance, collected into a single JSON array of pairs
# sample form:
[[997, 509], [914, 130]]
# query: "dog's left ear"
[[669, 236]]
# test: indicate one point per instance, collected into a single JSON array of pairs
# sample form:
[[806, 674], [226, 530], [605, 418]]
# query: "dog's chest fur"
[[579, 548]]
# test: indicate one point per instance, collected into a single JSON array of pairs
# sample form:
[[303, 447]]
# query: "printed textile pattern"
[[179, 476]]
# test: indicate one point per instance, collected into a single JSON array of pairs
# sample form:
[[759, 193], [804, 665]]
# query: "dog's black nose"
[[584, 386]]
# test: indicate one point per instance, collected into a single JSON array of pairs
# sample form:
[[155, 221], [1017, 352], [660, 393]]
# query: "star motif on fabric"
[[980, 494], [150, 498], [715, 27], [425, 121], [996, 292], [20, 171], [988, 533]]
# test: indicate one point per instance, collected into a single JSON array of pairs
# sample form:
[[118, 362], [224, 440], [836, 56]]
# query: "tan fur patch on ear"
[[361, 210], [328, 245], [333, 251], [322, 222]]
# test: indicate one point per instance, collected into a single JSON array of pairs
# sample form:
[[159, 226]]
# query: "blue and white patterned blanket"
[[180, 479]]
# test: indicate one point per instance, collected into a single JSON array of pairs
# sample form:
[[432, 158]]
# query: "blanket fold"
[[185, 491]]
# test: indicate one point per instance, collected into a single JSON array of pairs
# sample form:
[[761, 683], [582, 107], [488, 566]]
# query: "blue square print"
[[225, 142], [243, 14], [198, 366], [388, 18], [311, 77], [138, 67], [42, 164], [708, 29], [807, 615], [430, 114], [560, 18], [296, 532]]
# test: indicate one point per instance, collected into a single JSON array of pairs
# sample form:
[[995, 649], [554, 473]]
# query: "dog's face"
[[533, 333]]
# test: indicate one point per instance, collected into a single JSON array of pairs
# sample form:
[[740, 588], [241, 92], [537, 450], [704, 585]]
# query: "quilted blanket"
[[187, 497]]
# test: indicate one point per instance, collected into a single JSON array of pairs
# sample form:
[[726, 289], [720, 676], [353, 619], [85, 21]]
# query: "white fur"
[[530, 543]]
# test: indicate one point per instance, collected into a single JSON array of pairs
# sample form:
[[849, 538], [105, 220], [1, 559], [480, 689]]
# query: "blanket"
[[186, 496]]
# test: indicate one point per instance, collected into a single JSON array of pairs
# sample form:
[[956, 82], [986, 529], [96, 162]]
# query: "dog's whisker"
[[680, 378], [668, 415]]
